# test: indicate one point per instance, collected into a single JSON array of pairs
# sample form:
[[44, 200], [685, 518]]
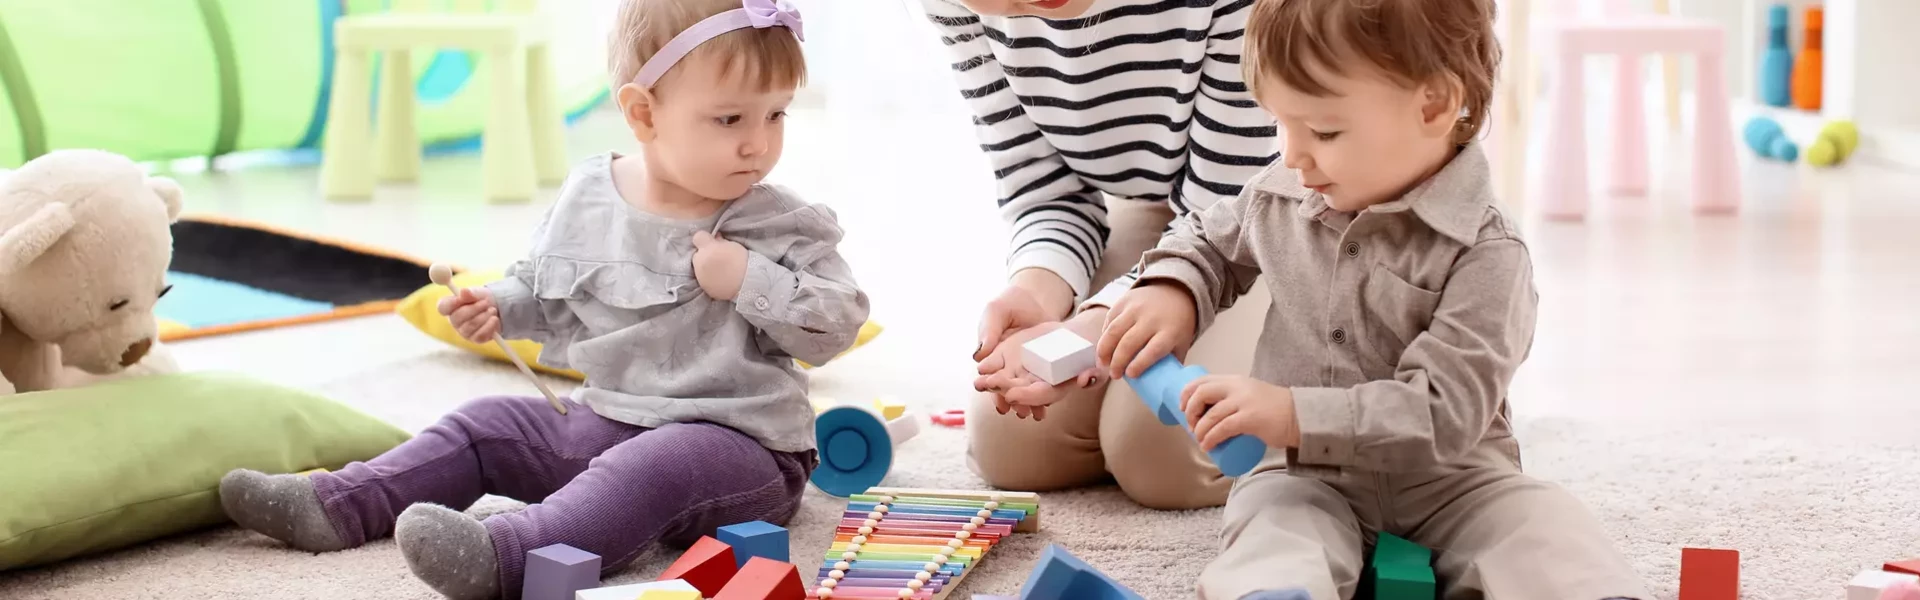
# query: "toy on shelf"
[[1709, 574], [1159, 387], [1806, 67], [918, 544], [1836, 141], [556, 572], [1400, 570], [1776, 65], [755, 538], [1057, 356], [1766, 138], [856, 445], [1062, 576], [1873, 584]]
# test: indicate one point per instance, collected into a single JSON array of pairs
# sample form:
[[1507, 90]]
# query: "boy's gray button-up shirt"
[[1398, 328], [609, 290]]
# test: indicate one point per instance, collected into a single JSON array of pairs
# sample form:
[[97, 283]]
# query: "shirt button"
[[1353, 249], [760, 303], [1339, 336]]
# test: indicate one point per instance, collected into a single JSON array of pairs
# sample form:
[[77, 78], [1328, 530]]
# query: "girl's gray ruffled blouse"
[[609, 290]]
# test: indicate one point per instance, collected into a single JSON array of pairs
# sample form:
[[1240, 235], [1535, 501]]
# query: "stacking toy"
[[1835, 143], [855, 444], [1776, 64], [1807, 68], [1767, 139], [1159, 387]]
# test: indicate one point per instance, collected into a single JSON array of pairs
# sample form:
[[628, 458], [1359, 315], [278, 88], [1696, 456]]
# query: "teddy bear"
[[85, 243]]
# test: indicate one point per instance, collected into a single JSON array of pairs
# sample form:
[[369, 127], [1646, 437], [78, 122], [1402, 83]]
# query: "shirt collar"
[[1453, 202]]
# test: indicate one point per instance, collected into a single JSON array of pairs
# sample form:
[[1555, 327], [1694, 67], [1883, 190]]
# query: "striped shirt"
[[1137, 99]]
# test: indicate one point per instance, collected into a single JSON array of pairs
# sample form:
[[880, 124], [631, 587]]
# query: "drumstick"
[[443, 275]]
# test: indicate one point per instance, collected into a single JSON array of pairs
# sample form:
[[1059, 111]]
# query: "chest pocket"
[[1396, 313]]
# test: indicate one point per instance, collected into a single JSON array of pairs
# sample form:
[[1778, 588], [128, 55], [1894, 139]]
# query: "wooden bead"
[[875, 515], [933, 567], [915, 584], [850, 555], [859, 539], [996, 497], [969, 527], [866, 530], [955, 543], [853, 547], [842, 565], [882, 509], [991, 505], [828, 583], [984, 513], [886, 499], [923, 576], [823, 593], [906, 593], [837, 574], [872, 522], [977, 521], [963, 535]]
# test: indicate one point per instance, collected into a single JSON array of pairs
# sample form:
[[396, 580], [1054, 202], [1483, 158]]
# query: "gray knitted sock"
[[282, 507], [450, 551]]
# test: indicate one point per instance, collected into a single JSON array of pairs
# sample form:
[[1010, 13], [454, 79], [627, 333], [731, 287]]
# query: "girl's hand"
[[1147, 323], [473, 314], [1223, 406], [1017, 390], [719, 265]]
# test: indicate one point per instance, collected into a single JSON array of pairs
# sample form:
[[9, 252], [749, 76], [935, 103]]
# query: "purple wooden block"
[[556, 572]]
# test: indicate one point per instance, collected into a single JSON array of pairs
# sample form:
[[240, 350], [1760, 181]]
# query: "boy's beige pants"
[[1496, 533]]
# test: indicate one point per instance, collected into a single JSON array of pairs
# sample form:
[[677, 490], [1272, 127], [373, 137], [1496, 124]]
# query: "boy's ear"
[[1440, 105], [637, 106]]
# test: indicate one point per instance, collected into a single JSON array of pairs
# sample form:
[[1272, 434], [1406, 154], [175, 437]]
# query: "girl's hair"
[[769, 58], [1449, 42]]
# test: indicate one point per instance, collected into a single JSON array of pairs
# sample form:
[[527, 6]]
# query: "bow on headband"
[[758, 14]]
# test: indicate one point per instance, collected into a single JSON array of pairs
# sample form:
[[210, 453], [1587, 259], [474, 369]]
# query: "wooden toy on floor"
[[755, 538], [443, 275], [764, 579], [918, 544], [708, 565], [1709, 574], [556, 572], [1904, 566], [951, 418], [670, 595], [1872, 583], [672, 589], [856, 445], [1057, 356], [1062, 576], [1400, 570], [1160, 388]]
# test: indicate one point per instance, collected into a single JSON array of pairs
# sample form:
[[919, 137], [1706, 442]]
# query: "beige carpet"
[[1806, 513]]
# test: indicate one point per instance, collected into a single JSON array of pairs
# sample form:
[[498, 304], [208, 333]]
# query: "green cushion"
[[97, 468]]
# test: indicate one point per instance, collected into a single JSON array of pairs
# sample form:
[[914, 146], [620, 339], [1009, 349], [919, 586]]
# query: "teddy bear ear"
[[170, 193], [22, 244]]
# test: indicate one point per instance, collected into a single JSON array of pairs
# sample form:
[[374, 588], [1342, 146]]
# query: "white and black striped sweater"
[[1138, 99]]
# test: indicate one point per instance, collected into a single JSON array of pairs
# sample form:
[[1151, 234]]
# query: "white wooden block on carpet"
[[630, 592], [1057, 356], [1870, 583]]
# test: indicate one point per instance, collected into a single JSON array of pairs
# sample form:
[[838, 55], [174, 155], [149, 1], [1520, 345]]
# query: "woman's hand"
[[1035, 296], [1018, 391]]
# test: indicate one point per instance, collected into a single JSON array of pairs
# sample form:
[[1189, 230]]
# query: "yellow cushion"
[[421, 309]]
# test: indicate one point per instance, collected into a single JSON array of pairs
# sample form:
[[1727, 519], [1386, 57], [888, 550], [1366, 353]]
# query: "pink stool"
[[1716, 187]]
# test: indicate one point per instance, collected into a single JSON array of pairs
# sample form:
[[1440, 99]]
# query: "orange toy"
[[1708, 574], [1806, 67], [764, 579]]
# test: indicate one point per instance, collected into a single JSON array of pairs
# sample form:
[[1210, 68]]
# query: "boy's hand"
[[473, 314], [1147, 323], [719, 265], [1016, 390], [1237, 404]]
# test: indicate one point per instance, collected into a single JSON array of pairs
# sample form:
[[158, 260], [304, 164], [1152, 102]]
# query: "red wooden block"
[[707, 566], [1709, 574], [764, 579], [1905, 566]]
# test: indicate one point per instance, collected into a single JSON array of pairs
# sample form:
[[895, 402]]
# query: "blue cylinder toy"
[[1160, 386], [1776, 64], [1767, 139]]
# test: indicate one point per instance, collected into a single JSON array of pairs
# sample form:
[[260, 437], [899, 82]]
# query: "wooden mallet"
[[443, 275]]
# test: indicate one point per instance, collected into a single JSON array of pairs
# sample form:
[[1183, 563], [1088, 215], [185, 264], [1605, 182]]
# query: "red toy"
[[765, 579], [1905, 566], [707, 566], [1709, 574], [951, 418]]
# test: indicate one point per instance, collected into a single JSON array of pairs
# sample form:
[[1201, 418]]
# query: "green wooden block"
[[1391, 549], [1404, 582]]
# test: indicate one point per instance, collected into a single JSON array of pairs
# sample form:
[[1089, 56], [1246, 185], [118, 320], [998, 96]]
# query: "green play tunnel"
[[168, 79]]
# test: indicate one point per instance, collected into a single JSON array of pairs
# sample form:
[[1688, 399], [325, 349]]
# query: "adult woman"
[[1076, 102]]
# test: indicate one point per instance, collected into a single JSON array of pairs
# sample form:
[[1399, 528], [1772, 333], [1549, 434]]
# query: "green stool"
[[1400, 570], [522, 143]]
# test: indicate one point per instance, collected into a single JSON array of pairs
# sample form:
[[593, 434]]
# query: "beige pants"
[[1105, 430], [1495, 533]]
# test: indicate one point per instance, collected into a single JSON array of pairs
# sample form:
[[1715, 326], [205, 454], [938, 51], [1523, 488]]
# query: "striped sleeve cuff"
[[1055, 259]]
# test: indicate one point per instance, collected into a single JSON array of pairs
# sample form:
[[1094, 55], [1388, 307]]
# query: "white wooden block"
[[629, 592], [1057, 356], [1869, 583]]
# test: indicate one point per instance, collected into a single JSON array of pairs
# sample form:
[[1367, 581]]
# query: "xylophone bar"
[[914, 544]]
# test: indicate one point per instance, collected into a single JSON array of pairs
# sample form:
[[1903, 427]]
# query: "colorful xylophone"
[[918, 544]]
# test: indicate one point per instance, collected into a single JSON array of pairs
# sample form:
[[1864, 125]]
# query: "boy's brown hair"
[[1450, 42], [768, 58]]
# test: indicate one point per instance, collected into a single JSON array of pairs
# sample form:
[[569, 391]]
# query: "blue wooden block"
[[556, 572], [1062, 576], [1159, 387], [755, 538]]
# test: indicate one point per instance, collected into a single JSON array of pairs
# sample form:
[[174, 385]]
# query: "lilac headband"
[[759, 14]]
